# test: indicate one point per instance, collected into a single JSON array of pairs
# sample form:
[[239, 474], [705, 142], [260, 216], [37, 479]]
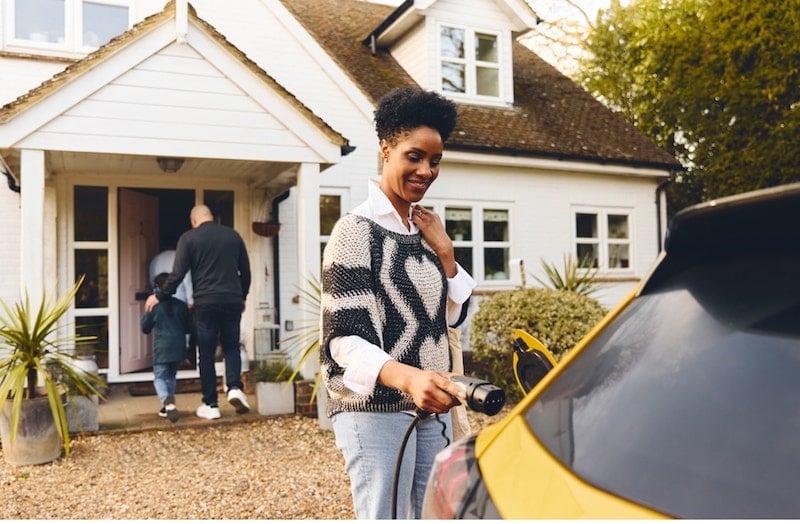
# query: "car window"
[[689, 402]]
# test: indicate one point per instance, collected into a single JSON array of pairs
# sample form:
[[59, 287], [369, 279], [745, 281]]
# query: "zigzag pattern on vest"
[[389, 289]]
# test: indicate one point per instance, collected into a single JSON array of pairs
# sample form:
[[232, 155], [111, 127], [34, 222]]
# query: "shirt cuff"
[[459, 288], [361, 361]]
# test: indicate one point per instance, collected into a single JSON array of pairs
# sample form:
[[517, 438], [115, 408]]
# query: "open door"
[[138, 243]]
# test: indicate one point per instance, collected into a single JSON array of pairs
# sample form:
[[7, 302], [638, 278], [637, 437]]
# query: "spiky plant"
[[305, 343], [31, 348], [578, 276]]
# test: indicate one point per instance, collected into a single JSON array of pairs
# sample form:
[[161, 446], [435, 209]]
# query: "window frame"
[[344, 207], [471, 63], [603, 239], [477, 243], [73, 29]]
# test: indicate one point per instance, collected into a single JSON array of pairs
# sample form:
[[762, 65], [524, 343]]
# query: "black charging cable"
[[419, 417]]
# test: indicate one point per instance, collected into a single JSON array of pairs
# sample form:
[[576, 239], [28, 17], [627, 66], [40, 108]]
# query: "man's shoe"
[[238, 400], [162, 412], [206, 411]]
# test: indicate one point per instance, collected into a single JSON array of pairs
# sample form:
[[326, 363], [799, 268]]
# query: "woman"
[[390, 288]]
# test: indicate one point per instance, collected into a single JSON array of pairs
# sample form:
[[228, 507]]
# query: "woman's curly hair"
[[404, 109]]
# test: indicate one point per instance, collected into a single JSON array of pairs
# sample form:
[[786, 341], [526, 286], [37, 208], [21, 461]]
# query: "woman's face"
[[410, 166]]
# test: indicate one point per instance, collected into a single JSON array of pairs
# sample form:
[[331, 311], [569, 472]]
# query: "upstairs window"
[[470, 62], [77, 26], [604, 238]]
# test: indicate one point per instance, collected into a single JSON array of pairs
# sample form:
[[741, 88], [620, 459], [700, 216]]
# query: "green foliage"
[[559, 319], [30, 348], [274, 371], [578, 276], [714, 82], [304, 344]]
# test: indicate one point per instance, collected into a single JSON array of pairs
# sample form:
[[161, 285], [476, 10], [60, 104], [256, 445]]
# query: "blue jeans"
[[164, 379], [370, 443], [218, 323]]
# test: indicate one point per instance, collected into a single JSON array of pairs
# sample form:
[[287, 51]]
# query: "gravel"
[[273, 468]]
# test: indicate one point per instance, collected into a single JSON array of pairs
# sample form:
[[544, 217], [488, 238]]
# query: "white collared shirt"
[[361, 360]]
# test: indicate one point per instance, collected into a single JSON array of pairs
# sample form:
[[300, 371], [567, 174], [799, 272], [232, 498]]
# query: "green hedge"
[[559, 319]]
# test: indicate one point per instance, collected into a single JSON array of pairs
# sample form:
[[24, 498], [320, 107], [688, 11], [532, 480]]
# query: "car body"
[[684, 402]]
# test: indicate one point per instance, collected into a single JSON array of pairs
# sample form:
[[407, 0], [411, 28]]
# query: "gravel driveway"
[[275, 468]]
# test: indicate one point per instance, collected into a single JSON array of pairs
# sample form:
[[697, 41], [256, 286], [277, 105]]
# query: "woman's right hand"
[[431, 391]]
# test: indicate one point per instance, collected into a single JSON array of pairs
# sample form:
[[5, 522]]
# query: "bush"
[[559, 319], [273, 371]]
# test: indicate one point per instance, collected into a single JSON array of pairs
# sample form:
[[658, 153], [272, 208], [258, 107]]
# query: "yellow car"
[[684, 402]]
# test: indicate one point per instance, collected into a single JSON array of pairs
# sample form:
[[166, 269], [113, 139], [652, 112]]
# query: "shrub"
[[274, 371], [559, 319]]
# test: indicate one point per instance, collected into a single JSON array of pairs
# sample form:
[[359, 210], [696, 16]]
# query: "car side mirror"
[[532, 360]]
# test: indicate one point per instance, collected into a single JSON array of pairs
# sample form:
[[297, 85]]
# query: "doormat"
[[141, 389]]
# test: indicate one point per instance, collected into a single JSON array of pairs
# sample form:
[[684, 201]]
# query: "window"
[[330, 209], [65, 25], [90, 258], [480, 239], [470, 62], [603, 237]]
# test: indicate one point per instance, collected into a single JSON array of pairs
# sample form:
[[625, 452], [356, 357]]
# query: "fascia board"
[[452, 156]]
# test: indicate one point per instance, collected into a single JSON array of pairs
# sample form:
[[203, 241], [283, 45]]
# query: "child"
[[172, 322]]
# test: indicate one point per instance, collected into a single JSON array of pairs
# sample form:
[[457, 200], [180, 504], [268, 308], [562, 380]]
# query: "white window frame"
[[478, 244], [470, 63], [603, 239], [73, 29], [344, 201]]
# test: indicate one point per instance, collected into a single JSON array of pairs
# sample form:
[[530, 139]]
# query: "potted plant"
[[274, 387], [304, 344], [33, 424]]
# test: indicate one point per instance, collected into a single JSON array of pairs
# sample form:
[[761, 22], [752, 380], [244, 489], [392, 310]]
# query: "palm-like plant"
[[578, 276], [305, 343], [30, 348]]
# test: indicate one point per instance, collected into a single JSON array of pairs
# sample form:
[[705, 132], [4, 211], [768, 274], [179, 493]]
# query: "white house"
[[119, 115]]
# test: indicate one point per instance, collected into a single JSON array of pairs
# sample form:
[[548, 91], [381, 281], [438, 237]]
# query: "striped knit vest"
[[389, 289]]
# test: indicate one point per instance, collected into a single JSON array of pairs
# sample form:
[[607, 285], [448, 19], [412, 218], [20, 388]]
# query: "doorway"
[[150, 221]]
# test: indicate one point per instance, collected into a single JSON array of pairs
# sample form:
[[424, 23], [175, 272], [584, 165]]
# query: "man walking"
[[220, 268]]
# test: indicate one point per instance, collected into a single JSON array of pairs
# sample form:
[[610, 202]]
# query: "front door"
[[138, 243]]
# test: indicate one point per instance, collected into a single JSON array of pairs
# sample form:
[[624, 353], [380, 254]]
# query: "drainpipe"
[[12, 181], [276, 271], [662, 186]]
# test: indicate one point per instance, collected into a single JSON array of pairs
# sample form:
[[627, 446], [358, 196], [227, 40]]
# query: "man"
[[217, 258]]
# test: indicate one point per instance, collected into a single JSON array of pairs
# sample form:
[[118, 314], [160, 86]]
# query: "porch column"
[[308, 253], [32, 175]]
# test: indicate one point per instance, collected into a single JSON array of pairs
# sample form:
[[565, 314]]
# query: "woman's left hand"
[[434, 233]]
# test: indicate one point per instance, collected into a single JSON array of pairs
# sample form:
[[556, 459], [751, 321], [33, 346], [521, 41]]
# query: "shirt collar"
[[383, 212]]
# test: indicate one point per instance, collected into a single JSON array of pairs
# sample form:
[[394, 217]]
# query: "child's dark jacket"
[[169, 340]]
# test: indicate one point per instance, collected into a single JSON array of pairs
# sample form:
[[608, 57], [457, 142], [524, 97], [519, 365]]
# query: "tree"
[[714, 82]]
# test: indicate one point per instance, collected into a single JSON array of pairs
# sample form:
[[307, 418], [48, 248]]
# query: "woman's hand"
[[434, 233], [431, 391]]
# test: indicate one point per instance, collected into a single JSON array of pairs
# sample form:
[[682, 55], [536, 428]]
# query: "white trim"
[[574, 166]]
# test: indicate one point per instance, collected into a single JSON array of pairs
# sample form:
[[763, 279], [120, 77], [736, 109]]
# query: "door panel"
[[138, 243]]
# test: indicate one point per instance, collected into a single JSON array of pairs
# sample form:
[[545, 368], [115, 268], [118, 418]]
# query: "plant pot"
[[275, 398], [82, 413], [303, 404], [37, 440]]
